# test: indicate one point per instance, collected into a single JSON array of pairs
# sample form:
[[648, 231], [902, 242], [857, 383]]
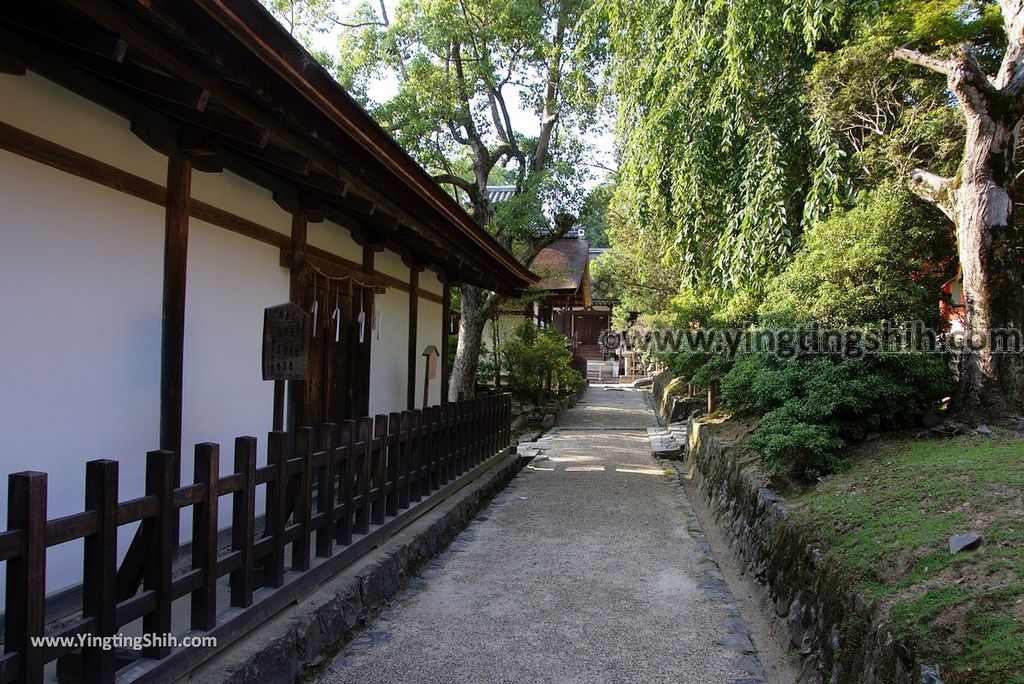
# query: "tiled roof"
[[500, 193], [562, 265]]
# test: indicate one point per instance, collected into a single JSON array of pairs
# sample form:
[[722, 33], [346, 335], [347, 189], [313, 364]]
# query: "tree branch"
[[1011, 76], [362, 24], [964, 77], [942, 66], [935, 189], [457, 181], [551, 93]]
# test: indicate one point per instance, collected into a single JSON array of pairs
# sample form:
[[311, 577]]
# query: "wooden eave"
[[221, 83]]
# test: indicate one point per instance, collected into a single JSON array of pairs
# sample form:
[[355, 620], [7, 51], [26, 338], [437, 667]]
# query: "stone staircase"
[[590, 352]]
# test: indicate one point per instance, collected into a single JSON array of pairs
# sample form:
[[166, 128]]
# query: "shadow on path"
[[589, 567]]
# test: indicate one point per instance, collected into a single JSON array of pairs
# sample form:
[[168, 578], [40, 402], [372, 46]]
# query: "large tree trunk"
[[474, 314], [990, 260], [980, 202]]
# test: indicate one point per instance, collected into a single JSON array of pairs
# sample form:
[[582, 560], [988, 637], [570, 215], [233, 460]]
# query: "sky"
[[524, 121]]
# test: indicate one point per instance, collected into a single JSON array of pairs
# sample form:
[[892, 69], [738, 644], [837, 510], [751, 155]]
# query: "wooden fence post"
[[346, 484], [99, 569], [391, 449], [378, 456], [305, 443], [277, 516], [204, 536], [243, 520], [442, 450], [26, 573], [159, 535], [405, 472], [364, 443], [415, 458], [507, 418], [478, 432], [458, 440], [325, 491]]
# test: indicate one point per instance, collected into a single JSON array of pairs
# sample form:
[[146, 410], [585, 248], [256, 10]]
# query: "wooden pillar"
[[295, 389], [179, 183], [446, 322], [414, 307], [363, 355]]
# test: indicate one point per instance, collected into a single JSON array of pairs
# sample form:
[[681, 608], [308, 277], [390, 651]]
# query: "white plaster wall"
[[80, 290], [391, 264], [430, 282], [231, 279], [428, 331], [334, 239], [389, 354], [232, 193], [43, 108]]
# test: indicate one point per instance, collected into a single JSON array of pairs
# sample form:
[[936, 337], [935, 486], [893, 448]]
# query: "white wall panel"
[[43, 108], [389, 354], [80, 291]]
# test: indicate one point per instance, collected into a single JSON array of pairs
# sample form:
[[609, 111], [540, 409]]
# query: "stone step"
[[663, 445]]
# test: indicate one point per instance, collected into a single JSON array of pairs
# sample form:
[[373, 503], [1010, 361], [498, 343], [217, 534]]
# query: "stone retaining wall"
[[840, 636], [670, 406]]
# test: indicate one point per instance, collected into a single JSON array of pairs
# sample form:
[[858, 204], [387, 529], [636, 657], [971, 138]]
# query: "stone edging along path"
[[839, 635], [297, 642]]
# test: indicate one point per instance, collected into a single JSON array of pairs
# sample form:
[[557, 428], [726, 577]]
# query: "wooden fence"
[[332, 493]]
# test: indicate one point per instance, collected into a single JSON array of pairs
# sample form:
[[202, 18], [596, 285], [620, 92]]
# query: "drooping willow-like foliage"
[[717, 151]]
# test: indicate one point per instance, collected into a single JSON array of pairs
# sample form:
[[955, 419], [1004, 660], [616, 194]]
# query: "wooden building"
[[169, 169]]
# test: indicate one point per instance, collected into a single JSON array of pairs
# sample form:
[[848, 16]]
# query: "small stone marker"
[[964, 542]]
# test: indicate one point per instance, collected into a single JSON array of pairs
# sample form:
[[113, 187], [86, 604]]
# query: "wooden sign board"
[[431, 353], [285, 342]]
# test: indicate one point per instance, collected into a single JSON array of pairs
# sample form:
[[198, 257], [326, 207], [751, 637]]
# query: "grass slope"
[[886, 520]]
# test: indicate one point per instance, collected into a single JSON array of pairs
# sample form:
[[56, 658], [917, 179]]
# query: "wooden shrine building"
[[170, 169]]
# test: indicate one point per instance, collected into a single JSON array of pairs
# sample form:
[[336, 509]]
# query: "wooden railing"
[[332, 493]]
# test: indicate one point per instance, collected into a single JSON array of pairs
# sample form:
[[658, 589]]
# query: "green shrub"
[[813, 406], [533, 356], [737, 384], [796, 448]]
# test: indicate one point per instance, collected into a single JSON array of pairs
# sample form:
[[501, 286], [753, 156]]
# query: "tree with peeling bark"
[[458, 74], [980, 201]]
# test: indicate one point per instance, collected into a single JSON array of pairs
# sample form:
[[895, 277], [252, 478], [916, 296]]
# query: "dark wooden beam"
[[179, 183], [170, 139], [301, 204], [414, 307], [212, 119], [11, 66], [446, 315], [54, 22], [369, 255], [303, 126], [133, 77], [197, 142], [153, 44], [300, 230]]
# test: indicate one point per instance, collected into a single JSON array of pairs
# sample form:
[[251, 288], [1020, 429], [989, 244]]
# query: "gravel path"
[[589, 567]]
